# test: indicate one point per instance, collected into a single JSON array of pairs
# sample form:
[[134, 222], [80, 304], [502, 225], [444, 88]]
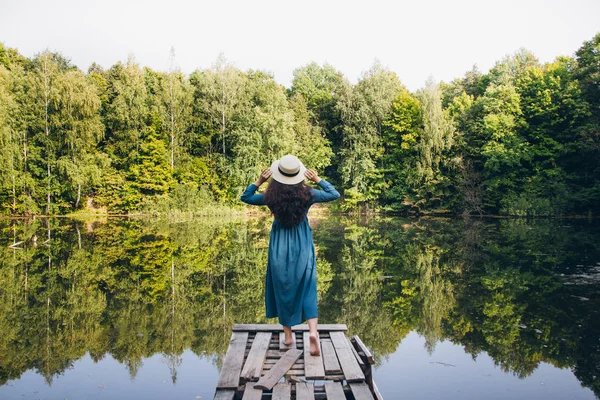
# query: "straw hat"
[[288, 170]]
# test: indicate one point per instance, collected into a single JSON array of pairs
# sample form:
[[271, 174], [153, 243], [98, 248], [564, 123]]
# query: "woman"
[[291, 282]]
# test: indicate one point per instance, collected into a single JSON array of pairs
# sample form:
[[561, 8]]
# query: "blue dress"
[[291, 281]]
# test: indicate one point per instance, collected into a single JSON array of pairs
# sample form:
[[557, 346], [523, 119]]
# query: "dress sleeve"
[[250, 197], [327, 194]]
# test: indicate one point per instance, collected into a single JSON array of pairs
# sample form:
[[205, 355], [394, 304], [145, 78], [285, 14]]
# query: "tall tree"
[[9, 146], [363, 110], [176, 106], [402, 133], [126, 112], [434, 158], [587, 72], [310, 144], [321, 87], [81, 131], [223, 89], [261, 128]]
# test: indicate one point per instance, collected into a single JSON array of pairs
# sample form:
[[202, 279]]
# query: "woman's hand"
[[264, 176], [312, 175]]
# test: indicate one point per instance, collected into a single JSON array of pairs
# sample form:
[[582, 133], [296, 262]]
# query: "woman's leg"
[[288, 335], [315, 350]]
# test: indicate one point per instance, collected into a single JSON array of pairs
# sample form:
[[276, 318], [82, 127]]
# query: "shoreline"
[[319, 211]]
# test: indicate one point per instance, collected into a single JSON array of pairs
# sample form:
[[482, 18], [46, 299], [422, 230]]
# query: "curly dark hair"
[[288, 203]]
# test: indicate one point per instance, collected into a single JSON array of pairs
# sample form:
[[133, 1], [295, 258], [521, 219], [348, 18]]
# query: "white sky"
[[413, 38]]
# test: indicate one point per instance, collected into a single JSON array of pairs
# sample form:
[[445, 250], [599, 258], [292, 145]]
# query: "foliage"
[[522, 139]]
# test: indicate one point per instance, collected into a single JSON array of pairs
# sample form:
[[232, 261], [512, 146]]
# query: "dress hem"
[[295, 323]]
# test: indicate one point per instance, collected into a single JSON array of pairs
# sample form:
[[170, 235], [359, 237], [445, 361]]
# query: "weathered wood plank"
[[224, 394], [252, 392], [282, 391], [361, 391], [275, 354], [330, 360], [334, 391], [334, 377], [283, 346], [348, 361], [378, 395], [313, 365], [290, 372], [273, 361], [364, 349], [305, 391], [358, 358], [229, 378], [256, 357], [279, 369], [278, 327], [299, 367]]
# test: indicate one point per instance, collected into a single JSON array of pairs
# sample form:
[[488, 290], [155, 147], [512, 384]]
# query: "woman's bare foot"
[[314, 345], [288, 340]]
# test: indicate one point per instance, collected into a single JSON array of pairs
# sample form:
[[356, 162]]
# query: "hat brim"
[[287, 180]]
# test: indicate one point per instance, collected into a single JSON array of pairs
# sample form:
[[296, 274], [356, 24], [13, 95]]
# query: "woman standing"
[[291, 282]]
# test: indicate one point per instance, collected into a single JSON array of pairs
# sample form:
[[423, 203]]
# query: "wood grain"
[[305, 391], [334, 391], [361, 391], [330, 360], [348, 361], [256, 356], [282, 391], [280, 368], [229, 378], [313, 365]]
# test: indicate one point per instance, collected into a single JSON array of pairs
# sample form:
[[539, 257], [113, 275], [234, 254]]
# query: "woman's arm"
[[327, 194], [249, 196], [322, 196]]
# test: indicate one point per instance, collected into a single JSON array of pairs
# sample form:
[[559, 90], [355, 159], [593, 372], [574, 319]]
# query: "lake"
[[461, 309]]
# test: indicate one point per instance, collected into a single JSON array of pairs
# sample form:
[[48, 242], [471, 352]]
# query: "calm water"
[[122, 309]]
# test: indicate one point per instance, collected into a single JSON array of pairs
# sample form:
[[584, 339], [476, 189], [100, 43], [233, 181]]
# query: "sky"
[[416, 39]]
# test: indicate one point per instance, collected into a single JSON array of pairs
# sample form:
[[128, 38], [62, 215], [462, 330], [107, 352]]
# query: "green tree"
[[363, 110], [176, 108], [151, 175], [402, 132], [82, 130], [321, 87], [310, 145], [434, 162], [126, 113]]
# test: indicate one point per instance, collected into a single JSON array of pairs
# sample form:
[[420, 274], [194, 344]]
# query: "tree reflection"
[[523, 292]]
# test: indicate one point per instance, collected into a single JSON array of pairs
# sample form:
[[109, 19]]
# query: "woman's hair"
[[288, 203]]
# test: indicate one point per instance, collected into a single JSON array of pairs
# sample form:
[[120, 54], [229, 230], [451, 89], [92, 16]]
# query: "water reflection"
[[523, 293]]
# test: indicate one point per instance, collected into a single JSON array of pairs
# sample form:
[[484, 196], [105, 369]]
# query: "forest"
[[522, 139]]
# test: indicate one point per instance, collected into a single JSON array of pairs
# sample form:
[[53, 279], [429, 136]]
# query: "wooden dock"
[[258, 365]]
